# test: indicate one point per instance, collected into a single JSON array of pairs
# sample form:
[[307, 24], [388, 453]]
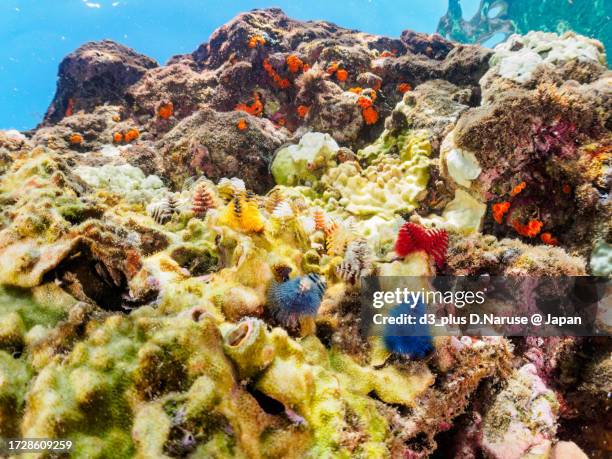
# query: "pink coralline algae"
[[557, 139]]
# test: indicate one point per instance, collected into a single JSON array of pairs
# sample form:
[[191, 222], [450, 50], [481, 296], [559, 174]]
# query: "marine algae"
[[144, 314]]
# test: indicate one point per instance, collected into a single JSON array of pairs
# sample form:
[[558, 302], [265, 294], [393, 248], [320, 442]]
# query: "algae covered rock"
[[142, 244], [522, 420], [434, 105], [210, 143], [95, 74]]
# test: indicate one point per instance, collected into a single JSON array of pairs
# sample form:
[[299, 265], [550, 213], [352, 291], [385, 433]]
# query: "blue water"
[[36, 34]]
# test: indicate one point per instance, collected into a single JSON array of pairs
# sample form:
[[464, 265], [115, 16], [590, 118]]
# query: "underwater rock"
[[584, 396], [95, 74], [478, 254], [178, 83], [496, 20], [434, 105], [544, 149], [208, 143], [517, 58], [567, 450], [10, 141], [337, 112], [538, 57], [96, 130], [522, 420], [434, 46], [154, 277]]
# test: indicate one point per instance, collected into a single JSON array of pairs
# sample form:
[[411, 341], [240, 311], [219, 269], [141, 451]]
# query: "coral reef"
[[304, 163], [502, 17], [521, 422], [97, 73], [182, 247], [517, 58], [413, 238]]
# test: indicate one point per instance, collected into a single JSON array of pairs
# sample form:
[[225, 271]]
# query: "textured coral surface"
[[182, 246]]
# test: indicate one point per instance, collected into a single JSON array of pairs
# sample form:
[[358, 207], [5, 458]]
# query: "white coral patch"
[[13, 134], [463, 214], [125, 180], [110, 151], [601, 259], [295, 164], [462, 165], [519, 56], [312, 144]]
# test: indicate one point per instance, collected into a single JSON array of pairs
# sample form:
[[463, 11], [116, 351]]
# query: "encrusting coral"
[[182, 251]]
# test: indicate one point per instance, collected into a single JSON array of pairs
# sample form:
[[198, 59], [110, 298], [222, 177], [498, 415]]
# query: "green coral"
[[21, 310], [406, 144], [303, 164], [330, 390], [95, 376], [198, 259], [15, 376]]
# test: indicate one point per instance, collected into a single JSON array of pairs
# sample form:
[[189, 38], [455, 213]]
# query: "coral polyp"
[[192, 254]]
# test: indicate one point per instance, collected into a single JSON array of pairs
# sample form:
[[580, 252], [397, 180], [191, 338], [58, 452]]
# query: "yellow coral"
[[390, 184]]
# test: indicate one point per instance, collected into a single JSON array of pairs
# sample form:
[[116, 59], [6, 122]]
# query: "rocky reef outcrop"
[[97, 73], [182, 246]]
